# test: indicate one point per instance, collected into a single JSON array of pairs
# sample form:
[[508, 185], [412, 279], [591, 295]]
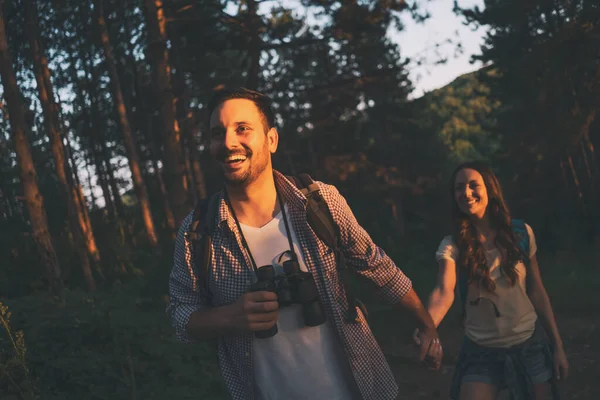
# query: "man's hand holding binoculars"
[[255, 311]]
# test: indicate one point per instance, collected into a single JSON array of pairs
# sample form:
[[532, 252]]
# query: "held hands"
[[255, 311], [430, 348]]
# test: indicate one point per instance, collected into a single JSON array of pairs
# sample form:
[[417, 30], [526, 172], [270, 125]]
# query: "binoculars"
[[293, 287]]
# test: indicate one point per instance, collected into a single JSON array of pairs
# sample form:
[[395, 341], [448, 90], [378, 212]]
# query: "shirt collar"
[[290, 194]]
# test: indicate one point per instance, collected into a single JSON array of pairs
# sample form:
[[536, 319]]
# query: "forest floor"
[[571, 279], [118, 343], [581, 336]]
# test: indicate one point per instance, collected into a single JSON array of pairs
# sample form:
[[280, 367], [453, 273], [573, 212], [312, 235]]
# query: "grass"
[[113, 345]]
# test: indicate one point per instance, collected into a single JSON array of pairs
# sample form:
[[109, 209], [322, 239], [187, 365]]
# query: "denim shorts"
[[492, 371], [519, 368]]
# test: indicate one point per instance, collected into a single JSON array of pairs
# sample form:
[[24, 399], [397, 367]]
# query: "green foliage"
[[463, 115], [14, 373], [115, 345]]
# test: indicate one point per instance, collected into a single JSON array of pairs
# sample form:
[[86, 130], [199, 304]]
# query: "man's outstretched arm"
[[375, 266]]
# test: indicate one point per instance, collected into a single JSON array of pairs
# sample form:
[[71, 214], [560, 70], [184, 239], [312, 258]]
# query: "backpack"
[[520, 231], [318, 216]]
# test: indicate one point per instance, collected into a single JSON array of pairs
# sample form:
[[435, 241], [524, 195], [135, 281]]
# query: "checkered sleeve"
[[361, 253], [184, 298]]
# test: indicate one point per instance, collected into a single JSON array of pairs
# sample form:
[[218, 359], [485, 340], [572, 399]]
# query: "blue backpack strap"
[[520, 230]]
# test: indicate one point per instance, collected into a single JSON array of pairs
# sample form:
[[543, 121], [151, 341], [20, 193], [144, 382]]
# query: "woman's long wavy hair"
[[471, 252]]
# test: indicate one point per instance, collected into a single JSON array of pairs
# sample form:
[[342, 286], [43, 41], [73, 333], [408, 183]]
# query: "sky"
[[417, 37], [443, 24]]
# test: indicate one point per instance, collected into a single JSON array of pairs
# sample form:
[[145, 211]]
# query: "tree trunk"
[[123, 120], [90, 185], [169, 218], [576, 182], [104, 151], [158, 58], [186, 142], [87, 125], [102, 174], [192, 148], [586, 162], [190, 132], [158, 173], [70, 164], [27, 173], [12, 208], [83, 215], [101, 155], [50, 111], [252, 27], [590, 147], [144, 116], [74, 184], [564, 174], [110, 173], [188, 170], [103, 178], [6, 209]]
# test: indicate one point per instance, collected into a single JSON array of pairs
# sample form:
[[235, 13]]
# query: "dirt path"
[[581, 335]]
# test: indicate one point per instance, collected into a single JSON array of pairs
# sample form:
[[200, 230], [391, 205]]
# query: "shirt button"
[[247, 354]]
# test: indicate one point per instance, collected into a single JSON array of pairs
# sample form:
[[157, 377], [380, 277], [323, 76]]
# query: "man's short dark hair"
[[262, 102]]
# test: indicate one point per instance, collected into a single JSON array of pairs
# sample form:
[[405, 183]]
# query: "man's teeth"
[[235, 158]]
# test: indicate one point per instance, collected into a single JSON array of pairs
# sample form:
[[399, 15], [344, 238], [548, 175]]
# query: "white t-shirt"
[[299, 362], [517, 319]]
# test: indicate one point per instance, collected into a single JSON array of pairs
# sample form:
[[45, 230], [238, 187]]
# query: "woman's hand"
[[561, 365]]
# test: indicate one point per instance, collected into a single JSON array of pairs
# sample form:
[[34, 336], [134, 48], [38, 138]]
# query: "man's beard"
[[255, 166]]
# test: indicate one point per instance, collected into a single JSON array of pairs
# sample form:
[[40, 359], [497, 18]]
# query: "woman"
[[492, 260]]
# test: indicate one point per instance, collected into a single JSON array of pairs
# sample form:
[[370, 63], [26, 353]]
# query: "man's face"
[[240, 142]]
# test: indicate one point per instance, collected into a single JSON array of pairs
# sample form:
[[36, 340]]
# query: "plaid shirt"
[[231, 273]]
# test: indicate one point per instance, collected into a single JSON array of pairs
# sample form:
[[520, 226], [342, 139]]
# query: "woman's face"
[[470, 193]]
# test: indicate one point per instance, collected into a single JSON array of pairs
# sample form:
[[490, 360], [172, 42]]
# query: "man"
[[261, 220]]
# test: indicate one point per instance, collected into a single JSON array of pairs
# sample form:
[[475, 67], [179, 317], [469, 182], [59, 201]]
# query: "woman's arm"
[[442, 296], [541, 302]]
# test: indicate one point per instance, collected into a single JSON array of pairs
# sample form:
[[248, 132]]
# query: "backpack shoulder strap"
[[321, 221], [200, 234], [317, 212], [520, 230]]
